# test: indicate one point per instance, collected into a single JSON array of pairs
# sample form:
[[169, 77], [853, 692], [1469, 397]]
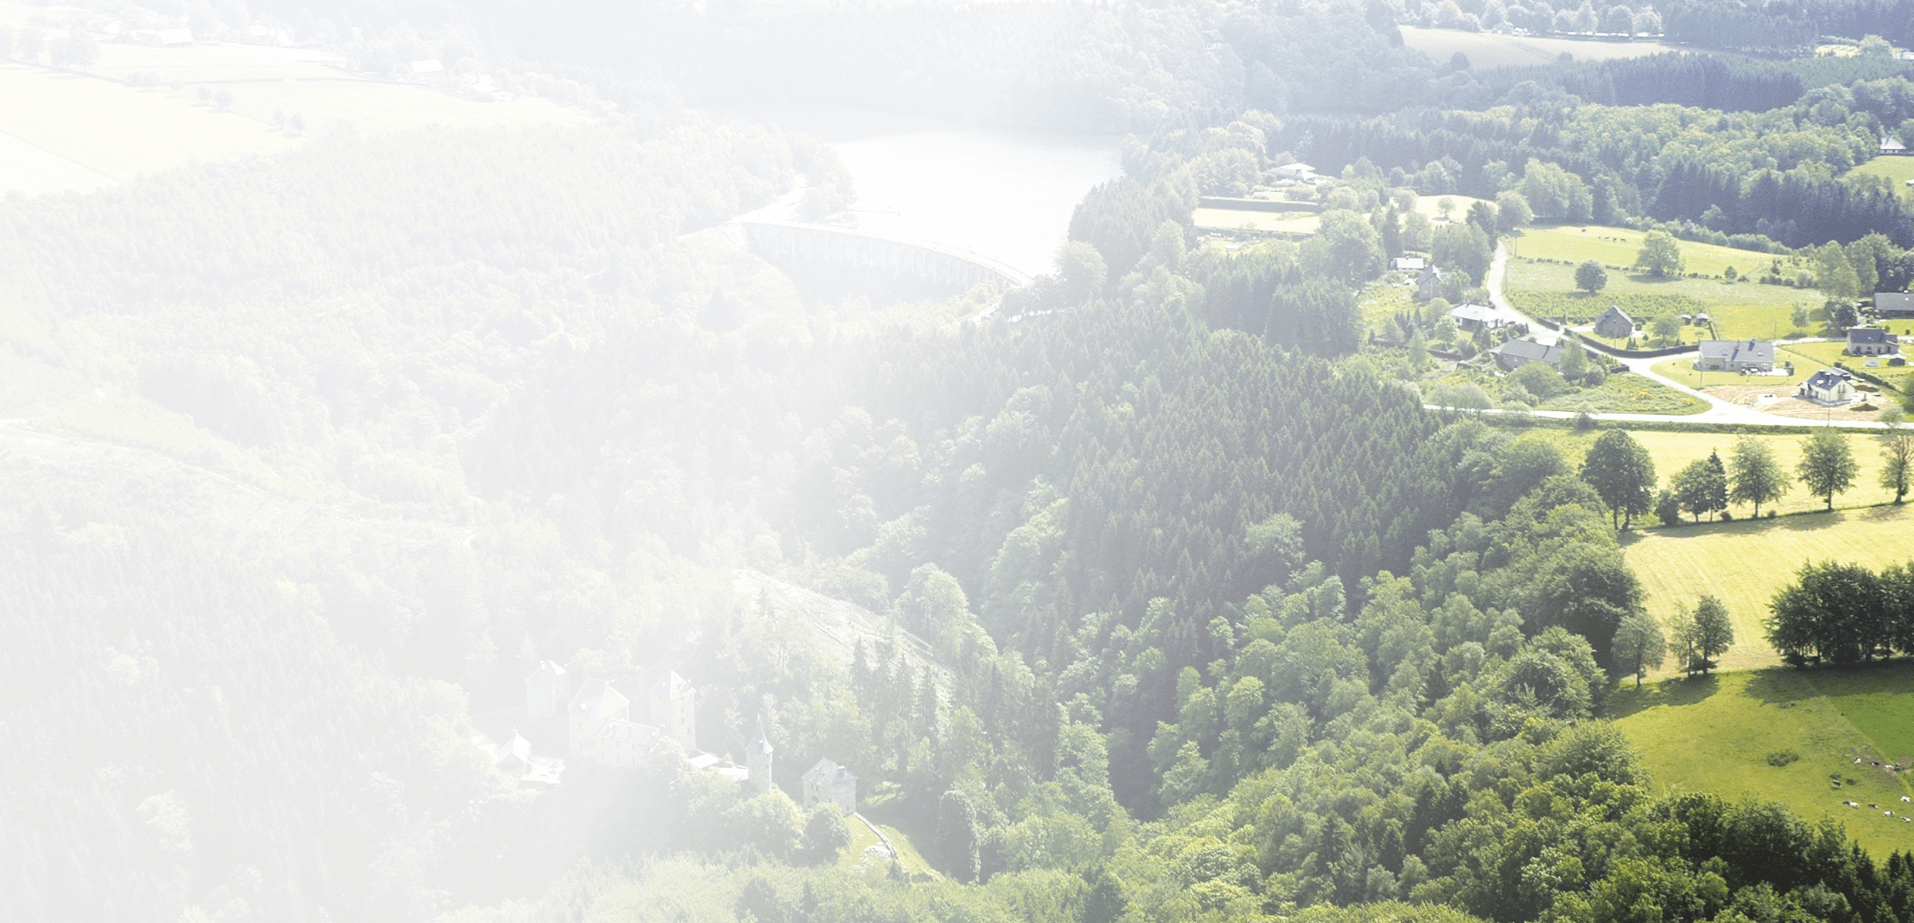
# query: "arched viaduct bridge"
[[787, 242]]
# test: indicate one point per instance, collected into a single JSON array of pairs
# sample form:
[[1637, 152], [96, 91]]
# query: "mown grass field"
[[80, 131], [1746, 562], [1490, 50], [1618, 247], [1716, 734], [1875, 700]]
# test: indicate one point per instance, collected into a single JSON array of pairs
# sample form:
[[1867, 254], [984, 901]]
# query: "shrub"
[[1779, 758]]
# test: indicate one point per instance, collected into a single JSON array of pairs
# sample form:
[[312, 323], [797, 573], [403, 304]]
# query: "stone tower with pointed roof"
[[674, 710], [757, 759], [595, 705], [544, 689]]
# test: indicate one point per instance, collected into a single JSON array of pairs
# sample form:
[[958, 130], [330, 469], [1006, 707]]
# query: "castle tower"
[[674, 710], [544, 689], [757, 759]]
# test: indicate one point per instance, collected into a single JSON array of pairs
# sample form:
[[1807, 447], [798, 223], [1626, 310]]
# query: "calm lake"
[[1003, 194]]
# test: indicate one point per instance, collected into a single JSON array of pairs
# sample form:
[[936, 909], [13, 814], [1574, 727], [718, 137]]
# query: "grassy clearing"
[[862, 838], [1716, 734], [1431, 206], [1898, 170], [1490, 50], [1745, 563]]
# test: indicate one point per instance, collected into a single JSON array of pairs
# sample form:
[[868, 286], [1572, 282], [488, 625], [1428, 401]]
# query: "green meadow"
[[1726, 733]]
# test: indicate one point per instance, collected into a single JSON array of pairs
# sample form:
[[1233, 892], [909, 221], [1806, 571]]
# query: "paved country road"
[[1719, 411]]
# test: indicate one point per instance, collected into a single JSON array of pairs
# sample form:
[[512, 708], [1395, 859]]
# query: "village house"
[[162, 38], [596, 705], [829, 782], [514, 758], [1894, 304], [1736, 356], [1429, 283], [1472, 317], [1408, 263], [1872, 341], [1828, 386], [1615, 324], [1891, 146], [1517, 353]]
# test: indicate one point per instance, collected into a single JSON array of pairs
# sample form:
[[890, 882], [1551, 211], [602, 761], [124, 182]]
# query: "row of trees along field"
[[1844, 614]]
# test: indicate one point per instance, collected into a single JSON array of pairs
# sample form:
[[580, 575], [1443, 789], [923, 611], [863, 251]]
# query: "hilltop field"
[[140, 110], [1541, 281], [1486, 49], [1785, 735]]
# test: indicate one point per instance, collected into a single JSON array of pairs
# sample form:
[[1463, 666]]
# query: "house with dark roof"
[[827, 782], [1872, 341], [1828, 386], [1429, 282], [1736, 356], [1894, 304], [1517, 353], [1615, 324]]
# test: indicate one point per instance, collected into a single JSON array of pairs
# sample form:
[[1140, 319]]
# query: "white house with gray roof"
[[1828, 386], [1736, 356], [1872, 341]]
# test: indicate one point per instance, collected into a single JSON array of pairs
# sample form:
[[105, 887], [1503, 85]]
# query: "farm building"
[[1872, 341], [1297, 173], [1736, 356], [1517, 353], [1828, 386], [1615, 324], [829, 782], [162, 38], [1894, 304]]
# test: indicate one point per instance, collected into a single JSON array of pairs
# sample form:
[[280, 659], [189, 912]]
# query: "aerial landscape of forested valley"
[[1329, 461]]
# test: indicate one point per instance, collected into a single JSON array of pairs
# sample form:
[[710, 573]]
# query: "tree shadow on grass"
[[1781, 686], [1673, 693]]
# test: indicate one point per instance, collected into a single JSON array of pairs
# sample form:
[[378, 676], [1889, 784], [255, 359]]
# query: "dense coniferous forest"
[[1188, 608]]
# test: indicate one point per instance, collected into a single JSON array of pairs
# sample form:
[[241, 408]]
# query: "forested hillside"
[[1190, 609]]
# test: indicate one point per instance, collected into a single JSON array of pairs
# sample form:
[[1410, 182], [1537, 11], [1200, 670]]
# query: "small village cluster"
[[599, 729], [1828, 387]]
